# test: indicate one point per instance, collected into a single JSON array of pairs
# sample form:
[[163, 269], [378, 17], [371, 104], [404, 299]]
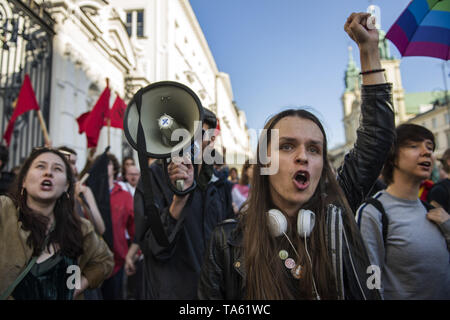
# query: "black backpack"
[[384, 218]]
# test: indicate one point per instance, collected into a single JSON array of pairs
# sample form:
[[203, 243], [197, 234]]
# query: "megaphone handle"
[[176, 189], [180, 185]]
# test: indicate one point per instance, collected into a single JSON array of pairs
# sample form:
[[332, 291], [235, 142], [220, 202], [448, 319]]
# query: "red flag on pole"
[[26, 101], [117, 113], [82, 122], [93, 122]]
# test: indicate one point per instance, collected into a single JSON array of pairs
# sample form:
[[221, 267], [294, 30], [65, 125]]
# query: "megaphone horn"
[[164, 107], [153, 116]]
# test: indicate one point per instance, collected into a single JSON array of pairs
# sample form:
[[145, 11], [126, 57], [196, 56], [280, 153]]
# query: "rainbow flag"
[[423, 29]]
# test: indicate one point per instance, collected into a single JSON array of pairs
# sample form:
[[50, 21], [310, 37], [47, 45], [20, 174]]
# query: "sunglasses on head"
[[45, 149]]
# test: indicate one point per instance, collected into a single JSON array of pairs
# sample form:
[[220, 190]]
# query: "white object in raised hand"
[[371, 23]]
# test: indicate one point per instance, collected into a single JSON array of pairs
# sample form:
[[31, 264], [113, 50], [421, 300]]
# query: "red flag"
[[217, 129], [117, 113], [82, 122], [26, 101], [93, 122]]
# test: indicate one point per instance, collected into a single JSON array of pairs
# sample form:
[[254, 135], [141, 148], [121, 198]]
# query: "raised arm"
[[91, 207], [367, 41], [375, 134]]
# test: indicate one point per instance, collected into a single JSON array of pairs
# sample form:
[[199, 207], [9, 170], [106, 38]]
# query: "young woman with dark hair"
[[297, 238], [38, 228]]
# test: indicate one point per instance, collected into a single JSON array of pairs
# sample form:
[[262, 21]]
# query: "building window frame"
[[129, 22], [434, 123], [135, 23], [140, 25], [447, 133]]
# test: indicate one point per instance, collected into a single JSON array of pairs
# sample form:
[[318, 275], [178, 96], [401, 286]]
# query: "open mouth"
[[46, 185], [301, 179], [425, 164]]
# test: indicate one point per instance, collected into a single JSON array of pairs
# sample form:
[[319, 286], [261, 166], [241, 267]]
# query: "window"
[[128, 23], [135, 23], [434, 123], [140, 23], [448, 138]]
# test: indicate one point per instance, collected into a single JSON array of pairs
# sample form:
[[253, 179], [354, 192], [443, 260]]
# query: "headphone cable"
[[310, 261], [312, 273]]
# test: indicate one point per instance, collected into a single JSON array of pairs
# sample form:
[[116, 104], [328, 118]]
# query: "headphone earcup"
[[277, 222], [305, 222]]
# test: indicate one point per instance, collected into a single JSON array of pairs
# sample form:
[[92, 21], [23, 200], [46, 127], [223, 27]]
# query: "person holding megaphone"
[[173, 254]]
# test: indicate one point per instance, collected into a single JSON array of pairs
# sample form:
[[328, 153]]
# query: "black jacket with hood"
[[172, 271]]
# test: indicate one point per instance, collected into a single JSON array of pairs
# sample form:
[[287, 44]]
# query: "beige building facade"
[[437, 120], [132, 43]]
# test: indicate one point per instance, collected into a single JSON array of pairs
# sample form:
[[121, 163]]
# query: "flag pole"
[[44, 128], [109, 118], [109, 132], [42, 123]]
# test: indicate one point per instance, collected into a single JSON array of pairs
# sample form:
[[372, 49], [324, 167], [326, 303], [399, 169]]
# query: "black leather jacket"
[[223, 272]]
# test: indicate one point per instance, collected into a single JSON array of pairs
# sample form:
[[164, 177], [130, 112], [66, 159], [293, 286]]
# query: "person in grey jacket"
[[247, 260], [407, 243]]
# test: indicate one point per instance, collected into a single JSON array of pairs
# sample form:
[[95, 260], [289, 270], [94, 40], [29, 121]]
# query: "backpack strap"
[[27, 269], [427, 205], [22, 275], [384, 219], [447, 187]]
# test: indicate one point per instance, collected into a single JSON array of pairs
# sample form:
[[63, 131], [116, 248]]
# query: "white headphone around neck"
[[278, 222], [305, 224]]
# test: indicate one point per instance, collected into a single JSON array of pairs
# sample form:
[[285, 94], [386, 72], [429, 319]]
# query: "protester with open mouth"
[[47, 252], [280, 250], [406, 238]]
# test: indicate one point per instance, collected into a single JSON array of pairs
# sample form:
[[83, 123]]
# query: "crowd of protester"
[[308, 231]]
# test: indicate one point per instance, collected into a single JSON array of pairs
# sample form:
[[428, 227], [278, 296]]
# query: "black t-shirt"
[[6, 180], [440, 193]]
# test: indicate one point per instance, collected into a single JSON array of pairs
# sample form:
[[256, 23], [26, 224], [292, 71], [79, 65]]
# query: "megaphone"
[[153, 116]]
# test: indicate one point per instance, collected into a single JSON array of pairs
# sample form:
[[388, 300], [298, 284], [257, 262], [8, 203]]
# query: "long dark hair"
[[67, 233], [266, 275]]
